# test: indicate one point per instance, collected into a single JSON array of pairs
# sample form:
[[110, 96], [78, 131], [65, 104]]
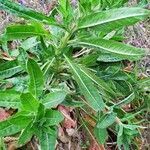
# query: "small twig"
[[83, 51]]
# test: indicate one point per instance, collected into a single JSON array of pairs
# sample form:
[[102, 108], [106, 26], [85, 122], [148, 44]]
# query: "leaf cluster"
[[74, 57]]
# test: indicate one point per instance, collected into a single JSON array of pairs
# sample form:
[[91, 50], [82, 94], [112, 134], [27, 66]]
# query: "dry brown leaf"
[[68, 121], [88, 119], [3, 114], [62, 137], [129, 67]]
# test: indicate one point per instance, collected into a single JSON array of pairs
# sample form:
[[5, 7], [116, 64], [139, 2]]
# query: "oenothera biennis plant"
[[73, 57]]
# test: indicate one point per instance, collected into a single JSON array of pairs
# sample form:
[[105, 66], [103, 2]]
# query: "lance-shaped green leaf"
[[26, 134], [53, 117], [53, 99], [29, 103], [119, 135], [47, 140], [10, 99], [29, 43], [106, 120], [109, 57], [36, 78], [125, 101], [13, 125], [73, 103], [87, 88], [117, 48], [7, 128], [112, 19], [101, 135], [41, 113], [24, 12], [31, 129], [101, 83], [14, 32], [9, 69]]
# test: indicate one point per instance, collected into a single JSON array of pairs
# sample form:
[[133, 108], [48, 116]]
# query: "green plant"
[[79, 56]]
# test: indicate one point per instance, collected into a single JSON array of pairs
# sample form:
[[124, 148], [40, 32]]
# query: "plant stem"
[[64, 41]]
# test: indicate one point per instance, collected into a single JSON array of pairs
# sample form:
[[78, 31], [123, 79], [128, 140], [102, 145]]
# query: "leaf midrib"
[[93, 79], [82, 82], [98, 46], [9, 69], [39, 33], [110, 20]]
